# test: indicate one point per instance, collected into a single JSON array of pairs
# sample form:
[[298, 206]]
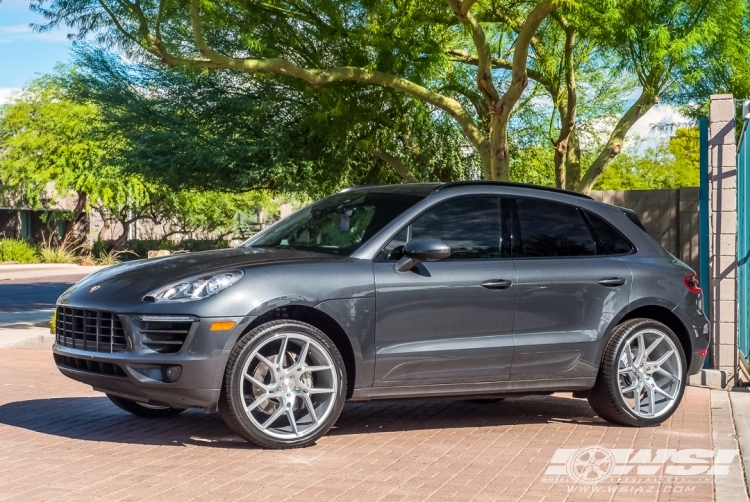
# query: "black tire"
[[231, 405], [144, 410], [605, 397]]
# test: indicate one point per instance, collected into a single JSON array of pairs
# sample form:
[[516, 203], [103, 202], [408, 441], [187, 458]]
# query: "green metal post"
[[703, 221]]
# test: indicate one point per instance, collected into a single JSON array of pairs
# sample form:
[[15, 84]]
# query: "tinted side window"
[[470, 226], [551, 229], [608, 240]]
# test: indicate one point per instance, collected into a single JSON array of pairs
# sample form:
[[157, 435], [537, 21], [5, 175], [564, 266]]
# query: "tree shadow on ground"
[[97, 419]]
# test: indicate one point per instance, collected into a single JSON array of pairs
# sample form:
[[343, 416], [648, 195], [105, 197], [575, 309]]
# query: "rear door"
[[570, 286]]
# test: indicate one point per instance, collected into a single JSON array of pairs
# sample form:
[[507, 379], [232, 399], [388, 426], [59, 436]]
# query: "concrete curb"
[[713, 379], [29, 338], [36, 266]]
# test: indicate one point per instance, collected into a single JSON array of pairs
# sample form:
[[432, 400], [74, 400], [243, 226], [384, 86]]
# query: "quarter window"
[[608, 240], [549, 229]]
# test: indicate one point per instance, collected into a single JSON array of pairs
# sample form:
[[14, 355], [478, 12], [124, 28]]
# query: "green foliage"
[[58, 255], [53, 323], [111, 257], [671, 164], [18, 251]]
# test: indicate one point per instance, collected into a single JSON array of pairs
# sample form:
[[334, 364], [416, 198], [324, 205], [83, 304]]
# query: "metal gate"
[[743, 238]]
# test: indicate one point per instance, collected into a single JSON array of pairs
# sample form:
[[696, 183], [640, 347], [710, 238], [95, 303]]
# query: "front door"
[[570, 287], [450, 321]]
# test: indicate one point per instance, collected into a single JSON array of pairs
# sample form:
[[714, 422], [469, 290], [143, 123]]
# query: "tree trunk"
[[72, 224], [614, 146], [573, 161], [123, 238], [105, 224], [397, 164], [499, 141]]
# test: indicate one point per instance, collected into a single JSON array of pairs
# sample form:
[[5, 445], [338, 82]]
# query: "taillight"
[[691, 282]]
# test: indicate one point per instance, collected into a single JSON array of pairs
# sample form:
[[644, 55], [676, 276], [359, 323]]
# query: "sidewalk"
[[43, 271]]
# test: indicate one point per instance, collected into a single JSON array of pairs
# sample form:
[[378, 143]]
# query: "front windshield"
[[339, 224]]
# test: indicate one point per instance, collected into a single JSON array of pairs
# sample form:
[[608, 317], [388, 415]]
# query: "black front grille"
[[165, 337], [101, 368], [94, 330]]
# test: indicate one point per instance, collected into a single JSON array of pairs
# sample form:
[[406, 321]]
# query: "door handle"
[[497, 284], [612, 282]]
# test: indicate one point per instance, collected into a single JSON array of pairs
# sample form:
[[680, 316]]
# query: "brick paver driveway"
[[60, 440]]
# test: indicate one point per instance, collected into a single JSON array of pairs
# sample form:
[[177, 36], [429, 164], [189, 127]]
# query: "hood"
[[127, 283]]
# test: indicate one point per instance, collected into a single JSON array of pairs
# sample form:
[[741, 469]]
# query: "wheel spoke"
[[663, 392], [282, 352], [653, 345], [303, 352], [257, 382], [637, 397], [280, 411], [321, 391], [631, 387], [651, 400], [258, 401], [667, 374], [310, 408], [290, 416], [267, 362], [663, 359], [310, 369], [641, 349]]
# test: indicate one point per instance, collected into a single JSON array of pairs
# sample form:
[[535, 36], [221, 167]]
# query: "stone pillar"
[[722, 195]]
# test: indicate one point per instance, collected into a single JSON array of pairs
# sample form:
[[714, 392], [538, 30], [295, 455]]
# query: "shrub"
[[53, 323], [18, 251], [112, 257], [140, 248], [58, 255]]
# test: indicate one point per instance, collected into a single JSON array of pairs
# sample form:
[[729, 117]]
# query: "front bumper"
[[138, 373]]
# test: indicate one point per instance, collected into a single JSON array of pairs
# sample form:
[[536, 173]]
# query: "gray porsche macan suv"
[[463, 290]]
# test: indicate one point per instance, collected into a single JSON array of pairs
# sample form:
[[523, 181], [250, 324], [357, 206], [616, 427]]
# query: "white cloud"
[[646, 130], [7, 93], [21, 32]]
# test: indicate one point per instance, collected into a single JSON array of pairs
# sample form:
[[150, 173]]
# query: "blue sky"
[[23, 53]]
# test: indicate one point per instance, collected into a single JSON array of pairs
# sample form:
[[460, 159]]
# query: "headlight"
[[195, 288]]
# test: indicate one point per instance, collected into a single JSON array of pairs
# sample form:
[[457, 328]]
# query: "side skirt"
[[475, 389]]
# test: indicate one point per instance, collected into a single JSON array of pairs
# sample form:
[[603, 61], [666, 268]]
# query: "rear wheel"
[[642, 377], [143, 409], [284, 385]]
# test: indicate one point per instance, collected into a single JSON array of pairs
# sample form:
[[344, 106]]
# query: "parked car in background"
[[462, 290]]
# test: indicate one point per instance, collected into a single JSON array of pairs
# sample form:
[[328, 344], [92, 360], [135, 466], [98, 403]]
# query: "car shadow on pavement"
[[97, 419]]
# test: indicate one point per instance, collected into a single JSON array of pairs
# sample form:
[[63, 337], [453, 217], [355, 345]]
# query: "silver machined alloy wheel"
[[284, 386], [650, 373], [290, 386], [642, 375]]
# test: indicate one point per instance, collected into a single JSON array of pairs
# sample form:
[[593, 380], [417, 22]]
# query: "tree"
[[673, 163], [47, 140], [214, 130], [397, 45]]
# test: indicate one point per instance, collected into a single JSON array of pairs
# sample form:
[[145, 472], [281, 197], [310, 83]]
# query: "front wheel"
[[642, 377], [284, 385], [143, 409]]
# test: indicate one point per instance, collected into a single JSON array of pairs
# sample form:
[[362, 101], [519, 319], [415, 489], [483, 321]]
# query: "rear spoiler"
[[632, 216]]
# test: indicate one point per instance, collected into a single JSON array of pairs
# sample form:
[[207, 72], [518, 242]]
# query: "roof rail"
[[511, 184]]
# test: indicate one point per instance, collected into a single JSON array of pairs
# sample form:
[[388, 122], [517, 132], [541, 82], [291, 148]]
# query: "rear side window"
[[608, 240], [543, 228]]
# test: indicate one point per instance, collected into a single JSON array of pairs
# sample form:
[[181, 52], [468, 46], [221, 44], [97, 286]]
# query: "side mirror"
[[420, 250]]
